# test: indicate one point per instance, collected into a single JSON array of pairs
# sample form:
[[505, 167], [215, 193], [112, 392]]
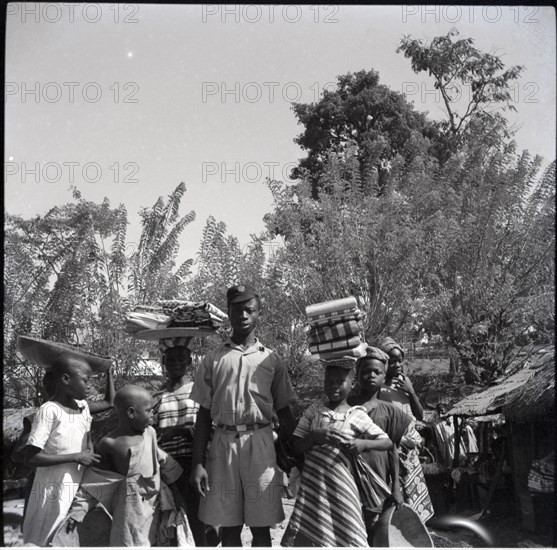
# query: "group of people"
[[198, 462]]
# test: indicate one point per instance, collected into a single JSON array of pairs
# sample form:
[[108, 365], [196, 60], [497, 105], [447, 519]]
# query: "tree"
[[152, 263], [376, 122], [65, 280], [457, 65], [57, 278], [495, 262]]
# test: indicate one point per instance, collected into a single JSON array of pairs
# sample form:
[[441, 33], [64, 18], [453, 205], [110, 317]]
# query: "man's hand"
[[71, 525], [199, 479], [87, 458]]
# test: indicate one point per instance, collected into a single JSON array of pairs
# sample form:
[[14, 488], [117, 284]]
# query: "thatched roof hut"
[[536, 373], [536, 398]]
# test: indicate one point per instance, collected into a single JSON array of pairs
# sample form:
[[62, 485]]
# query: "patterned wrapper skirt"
[[334, 488], [414, 487]]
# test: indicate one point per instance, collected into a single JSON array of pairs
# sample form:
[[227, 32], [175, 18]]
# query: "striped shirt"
[[175, 408]]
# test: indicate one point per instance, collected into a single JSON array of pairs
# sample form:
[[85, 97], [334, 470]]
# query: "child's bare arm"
[[37, 458], [321, 436], [108, 401], [359, 445]]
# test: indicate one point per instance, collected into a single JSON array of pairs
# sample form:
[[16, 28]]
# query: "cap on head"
[[240, 293]]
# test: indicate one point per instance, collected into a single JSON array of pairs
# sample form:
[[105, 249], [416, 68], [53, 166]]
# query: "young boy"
[[175, 415], [127, 482], [237, 386]]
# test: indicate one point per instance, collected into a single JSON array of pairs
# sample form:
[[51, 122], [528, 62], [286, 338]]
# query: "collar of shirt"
[[255, 347]]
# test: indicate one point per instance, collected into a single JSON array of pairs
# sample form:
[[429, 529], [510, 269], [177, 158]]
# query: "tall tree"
[[376, 122], [461, 71]]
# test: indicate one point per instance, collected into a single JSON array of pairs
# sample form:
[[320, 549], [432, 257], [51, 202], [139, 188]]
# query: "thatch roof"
[[536, 398], [495, 398]]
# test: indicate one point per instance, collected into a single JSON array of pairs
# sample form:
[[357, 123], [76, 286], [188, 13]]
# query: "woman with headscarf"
[[397, 384], [399, 391], [370, 376]]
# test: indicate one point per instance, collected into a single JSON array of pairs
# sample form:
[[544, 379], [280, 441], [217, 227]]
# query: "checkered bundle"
[[335, 329]]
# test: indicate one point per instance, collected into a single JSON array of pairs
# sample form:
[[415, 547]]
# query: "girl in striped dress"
[[337, 484]]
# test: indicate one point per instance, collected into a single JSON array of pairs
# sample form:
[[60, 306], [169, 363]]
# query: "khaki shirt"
[[242, 386]]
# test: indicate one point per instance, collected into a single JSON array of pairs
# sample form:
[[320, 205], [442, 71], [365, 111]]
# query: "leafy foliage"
[[458, 67]]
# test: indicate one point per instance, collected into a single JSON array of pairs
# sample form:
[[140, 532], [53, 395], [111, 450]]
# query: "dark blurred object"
[[285, 459]]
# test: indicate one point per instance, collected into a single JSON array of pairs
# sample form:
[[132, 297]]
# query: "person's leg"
[[261, 536], [231, 536]]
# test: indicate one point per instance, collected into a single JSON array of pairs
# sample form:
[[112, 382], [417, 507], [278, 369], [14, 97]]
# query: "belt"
[[242, 427]]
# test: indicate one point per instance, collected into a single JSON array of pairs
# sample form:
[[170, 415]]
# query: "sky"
[[125, 101]]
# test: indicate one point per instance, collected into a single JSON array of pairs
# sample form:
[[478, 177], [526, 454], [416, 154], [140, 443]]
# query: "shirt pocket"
[[260, 380]]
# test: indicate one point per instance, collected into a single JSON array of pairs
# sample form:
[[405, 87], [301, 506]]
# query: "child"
[[127, 482], [175, 415], [336, 483], [237, 386], [59, 447], [49, 388]]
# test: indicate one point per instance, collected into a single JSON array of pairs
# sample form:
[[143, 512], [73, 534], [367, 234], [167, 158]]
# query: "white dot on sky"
[[130, 54]]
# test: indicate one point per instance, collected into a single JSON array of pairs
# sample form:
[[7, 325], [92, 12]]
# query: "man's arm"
[[287, 421], [198, 477], [108, 401]]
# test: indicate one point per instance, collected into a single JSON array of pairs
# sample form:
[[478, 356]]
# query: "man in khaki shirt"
[[238, 386]]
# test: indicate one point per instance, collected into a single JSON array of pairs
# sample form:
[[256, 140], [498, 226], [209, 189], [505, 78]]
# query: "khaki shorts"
[[244, 481]]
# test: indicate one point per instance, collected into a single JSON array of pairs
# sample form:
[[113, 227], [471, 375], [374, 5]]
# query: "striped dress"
[[336, 485]]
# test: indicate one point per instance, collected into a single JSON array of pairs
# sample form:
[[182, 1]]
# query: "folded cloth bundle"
[[140, 320], [174, 313], [333, 345], [331, 319], [193, 314], [317, 311], [335, 329], [346, 329], [358, 351]]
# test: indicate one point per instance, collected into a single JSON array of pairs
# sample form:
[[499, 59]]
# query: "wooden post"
[[456, 442]]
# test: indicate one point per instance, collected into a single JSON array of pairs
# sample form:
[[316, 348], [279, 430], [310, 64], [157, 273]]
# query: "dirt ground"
[[505, 531]]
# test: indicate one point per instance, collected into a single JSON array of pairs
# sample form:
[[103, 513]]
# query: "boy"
[[237, 386], [175, 416], [128, 480]]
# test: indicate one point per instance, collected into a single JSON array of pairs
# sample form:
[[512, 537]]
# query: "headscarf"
[[343, 362], [167, 343], [388, 344], [373, 353]]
